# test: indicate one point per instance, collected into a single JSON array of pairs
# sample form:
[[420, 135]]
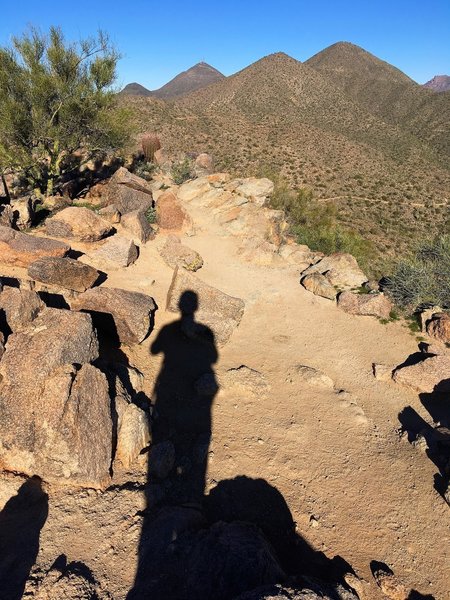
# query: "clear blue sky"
[[158, 39]]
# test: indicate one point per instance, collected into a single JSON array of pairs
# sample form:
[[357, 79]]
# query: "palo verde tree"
[[56, 98]]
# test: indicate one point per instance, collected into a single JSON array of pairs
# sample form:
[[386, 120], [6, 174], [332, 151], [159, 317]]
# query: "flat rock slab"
[[55, 418], [21, 249], [428, 376], [376, 305], [130, 312], [117, 251], [63, 272], [78, 223], [175, 254], [218, 311]]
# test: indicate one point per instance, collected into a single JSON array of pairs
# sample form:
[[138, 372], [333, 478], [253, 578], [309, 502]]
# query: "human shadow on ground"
[[21, 521], [242, 534]]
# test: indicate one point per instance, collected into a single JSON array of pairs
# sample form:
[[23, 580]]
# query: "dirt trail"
[[354, 488]]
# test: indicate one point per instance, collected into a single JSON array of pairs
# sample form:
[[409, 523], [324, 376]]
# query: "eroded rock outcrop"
[[170, 213], [115, 252], [19, 308], [55, 416], [341, 270]]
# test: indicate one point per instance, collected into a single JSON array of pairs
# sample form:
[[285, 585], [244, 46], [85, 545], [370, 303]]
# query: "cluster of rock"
[[339, 277]]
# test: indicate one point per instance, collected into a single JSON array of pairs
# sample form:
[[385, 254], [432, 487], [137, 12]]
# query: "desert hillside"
[[352, 128]]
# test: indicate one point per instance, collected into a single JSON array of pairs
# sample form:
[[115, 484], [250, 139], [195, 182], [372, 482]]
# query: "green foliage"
[[56, 98], [181, 171], [145, 170], [314, 223], [150, 215], [423, 279]]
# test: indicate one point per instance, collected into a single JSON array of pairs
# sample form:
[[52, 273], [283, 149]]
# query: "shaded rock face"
[[116, 251], [78, 223], [136, 223], [19, 307], [63, 272], [376, 305], [128, 192], [170, 213], [341, 270], [54, 406], [217, 310], [175, 254], [122, 314], [319, 285], [20, 249]]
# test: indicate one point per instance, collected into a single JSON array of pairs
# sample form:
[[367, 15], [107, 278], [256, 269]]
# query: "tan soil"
[[334, 457]]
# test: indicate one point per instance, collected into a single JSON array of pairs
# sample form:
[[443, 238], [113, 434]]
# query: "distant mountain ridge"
[[439, 83], [197, 77]]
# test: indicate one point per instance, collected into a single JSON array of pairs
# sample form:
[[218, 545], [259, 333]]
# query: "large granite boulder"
[[438, 327], [136, 224], [55, 418], [21, 249], [63, 272], [128, 192], [18, 308], [217, 310], [121, 313], [79, 223], [115, 251], [170, 213], [376, 305], [319, 285], [427, 376], [341, 270]]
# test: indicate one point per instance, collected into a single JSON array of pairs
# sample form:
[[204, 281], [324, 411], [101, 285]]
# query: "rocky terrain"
[[201, 408]]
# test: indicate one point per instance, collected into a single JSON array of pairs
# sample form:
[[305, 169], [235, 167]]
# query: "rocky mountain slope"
[[305, 122], [439, 83], [198, 76]]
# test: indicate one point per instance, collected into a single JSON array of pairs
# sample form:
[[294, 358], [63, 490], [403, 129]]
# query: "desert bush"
[[144, 169], [56, 98], [150, 144], [150, 214], [315, 224], [182, 171], [424, 278]]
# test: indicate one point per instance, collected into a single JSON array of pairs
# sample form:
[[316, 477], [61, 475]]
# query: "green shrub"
[[145, 170], [181, 171], [423, 279], [150, 215]]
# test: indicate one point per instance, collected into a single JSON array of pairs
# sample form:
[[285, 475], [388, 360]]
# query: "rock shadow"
[[21, 521]]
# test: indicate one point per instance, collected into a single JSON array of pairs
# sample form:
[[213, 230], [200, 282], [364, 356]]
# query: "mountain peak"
[[439, 83]]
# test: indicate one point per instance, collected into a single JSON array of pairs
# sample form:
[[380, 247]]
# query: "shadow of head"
[[188, 303]]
